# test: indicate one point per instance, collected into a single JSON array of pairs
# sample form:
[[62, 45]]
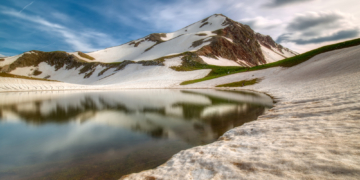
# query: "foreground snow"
[[311, 133]]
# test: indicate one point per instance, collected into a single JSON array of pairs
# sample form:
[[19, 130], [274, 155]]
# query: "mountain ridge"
[[215, 40], [218, 21]]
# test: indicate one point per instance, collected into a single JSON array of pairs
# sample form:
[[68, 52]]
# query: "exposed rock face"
[[156, 37], [57, 59], [244, 45]]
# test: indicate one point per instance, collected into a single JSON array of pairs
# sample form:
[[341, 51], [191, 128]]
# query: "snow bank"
[[138, 76], [311, 133], [132, 76]]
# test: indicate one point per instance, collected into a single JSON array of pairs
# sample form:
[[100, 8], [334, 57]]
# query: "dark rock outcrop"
[[244, 46]]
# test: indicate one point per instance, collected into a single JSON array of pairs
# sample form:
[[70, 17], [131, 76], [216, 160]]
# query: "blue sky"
[[89, 25]]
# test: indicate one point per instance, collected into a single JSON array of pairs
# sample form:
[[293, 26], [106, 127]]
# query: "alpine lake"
[[108, 134]]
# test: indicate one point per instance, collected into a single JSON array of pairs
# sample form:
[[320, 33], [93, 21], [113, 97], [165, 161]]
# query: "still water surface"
[[107, 134]]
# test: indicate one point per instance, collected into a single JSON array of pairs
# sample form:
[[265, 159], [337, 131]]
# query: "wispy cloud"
[[26, 6], [84, 40], [166, 17], [2, 55], [182, 13]]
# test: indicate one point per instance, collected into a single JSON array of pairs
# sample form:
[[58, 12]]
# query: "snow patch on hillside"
[[213, 23], [219, 62], [9, 60], [270, 55], [174, 43], [132, 76], [138, 76], [121, 53], [230, 40]]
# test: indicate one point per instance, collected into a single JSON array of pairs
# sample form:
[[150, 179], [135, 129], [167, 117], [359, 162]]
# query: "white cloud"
[[2, 55], [319, 27], [260, 23]]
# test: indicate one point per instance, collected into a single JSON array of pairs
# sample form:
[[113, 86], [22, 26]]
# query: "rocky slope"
[[216, 40]]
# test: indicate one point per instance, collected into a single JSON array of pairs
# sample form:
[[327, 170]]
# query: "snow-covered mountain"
[[216, 40]]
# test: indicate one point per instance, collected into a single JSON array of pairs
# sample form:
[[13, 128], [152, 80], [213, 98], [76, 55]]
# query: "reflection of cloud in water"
[[170, 114], [218, 110]]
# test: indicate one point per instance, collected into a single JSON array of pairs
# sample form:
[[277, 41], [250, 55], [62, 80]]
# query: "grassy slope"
[[85, 55], [218, 71], [241, 83]]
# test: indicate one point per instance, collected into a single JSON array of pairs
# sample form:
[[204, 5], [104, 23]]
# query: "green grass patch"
[[85, 55], [218, 71], [241, 83], [201, 34]]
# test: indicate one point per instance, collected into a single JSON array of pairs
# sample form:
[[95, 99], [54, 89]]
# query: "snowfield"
[[219, 62], [313, 132]]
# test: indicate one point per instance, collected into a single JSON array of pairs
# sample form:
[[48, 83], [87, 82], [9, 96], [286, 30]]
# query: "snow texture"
[[311, 133], [132, 76], [9, 60], [271, 55], [219, 62], [174, 43]]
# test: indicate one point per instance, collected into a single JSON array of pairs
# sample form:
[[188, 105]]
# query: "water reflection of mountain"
[[192, 116]]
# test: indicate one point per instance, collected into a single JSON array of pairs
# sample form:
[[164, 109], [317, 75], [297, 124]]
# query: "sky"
[[90, 25]]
